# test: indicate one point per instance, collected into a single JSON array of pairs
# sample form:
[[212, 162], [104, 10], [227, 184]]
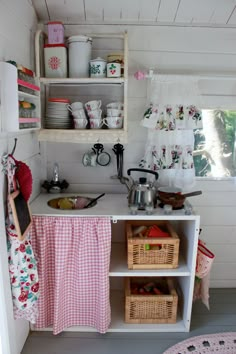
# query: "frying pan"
[[175, 199]]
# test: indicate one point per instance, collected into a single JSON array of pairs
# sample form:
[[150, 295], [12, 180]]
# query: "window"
[[214, 148]]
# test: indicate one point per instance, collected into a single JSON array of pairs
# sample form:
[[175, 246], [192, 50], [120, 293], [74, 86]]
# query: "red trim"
[[54, 45], [29, 120], [27, 84], [55, 23], [61, 100], [205, 251]]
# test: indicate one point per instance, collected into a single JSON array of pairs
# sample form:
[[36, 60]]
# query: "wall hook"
[[14, 147]]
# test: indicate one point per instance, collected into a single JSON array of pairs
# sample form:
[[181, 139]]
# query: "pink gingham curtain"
[[73, 255]]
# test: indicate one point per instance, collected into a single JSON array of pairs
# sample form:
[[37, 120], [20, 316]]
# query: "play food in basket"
[[160, 250], [150, 300]]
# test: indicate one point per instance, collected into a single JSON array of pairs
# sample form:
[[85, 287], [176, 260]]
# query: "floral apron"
[[22, 263]]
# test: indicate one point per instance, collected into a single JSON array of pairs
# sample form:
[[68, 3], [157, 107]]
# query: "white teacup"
[[75, 106], [113, 112], [92, 105], [80, 123], [113, 122], [80, 113], [115, 105], [95, 123], [95, 114], [90, 159]]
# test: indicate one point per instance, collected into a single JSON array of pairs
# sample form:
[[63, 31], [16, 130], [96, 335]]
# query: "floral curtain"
[[171, 117]]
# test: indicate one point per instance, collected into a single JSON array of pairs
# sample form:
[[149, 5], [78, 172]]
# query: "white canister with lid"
[[80, 50], [98, 67]]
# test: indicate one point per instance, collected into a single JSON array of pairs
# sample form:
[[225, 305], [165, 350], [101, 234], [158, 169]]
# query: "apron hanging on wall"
[[22, 264]]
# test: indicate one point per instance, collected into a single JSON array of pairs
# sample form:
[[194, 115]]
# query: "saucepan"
[[174, 197]]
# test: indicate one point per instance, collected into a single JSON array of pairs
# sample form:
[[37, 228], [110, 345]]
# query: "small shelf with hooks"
[[83, 136]]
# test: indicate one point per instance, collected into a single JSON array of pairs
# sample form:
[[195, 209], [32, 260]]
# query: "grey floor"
[[220, 318]]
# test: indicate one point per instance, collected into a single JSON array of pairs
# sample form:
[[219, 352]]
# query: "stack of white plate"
[[57, 114]]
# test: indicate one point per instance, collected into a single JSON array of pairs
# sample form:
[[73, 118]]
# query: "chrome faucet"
[[56, 173], [55, 185]]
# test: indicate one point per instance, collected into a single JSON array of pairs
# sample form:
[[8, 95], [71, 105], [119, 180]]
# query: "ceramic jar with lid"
[[98, 67], [80, 50]]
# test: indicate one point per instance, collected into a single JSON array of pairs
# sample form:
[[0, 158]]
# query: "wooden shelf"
[[119, 268], [77, 81], [83, 135]]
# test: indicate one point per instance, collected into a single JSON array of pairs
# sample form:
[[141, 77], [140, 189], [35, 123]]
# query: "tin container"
[[55, 60], [55, 32], [80, 50]]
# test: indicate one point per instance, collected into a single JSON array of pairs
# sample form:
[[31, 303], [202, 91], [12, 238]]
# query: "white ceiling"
[[212, 13]]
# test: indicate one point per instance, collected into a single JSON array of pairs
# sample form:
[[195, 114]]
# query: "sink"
[[71, 203]]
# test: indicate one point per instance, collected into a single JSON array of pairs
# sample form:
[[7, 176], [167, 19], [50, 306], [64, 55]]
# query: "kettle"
[[142, 192]]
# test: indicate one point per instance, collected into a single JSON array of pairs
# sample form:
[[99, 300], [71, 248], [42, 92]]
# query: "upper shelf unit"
[[86, 89], [19, 101]]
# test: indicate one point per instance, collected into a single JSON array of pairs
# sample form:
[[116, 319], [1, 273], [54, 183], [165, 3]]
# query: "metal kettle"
[[142, 192]]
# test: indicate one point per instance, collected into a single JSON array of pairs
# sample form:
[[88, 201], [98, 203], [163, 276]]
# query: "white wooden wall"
[[207, 51], [17, 28]]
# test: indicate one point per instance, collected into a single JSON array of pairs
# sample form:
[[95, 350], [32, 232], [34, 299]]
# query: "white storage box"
[[55, 60]]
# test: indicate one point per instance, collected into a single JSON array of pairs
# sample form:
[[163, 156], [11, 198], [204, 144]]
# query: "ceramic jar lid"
[[98, 59], [79, 38]]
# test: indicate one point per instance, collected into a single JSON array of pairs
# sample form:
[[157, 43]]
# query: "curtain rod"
[[141, 75]]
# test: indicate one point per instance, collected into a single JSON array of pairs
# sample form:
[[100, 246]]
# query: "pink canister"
[[55, 32]]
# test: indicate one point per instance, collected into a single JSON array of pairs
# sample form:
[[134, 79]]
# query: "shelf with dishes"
[[79, 84]]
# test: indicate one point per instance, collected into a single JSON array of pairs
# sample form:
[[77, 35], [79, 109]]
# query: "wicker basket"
[[151, 308], [139, 257]]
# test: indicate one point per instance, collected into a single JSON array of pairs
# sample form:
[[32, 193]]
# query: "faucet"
[[55, 185], [56, 173]]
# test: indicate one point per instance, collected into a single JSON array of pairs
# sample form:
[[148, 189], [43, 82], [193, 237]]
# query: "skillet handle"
[[191, 194], [142, 170]]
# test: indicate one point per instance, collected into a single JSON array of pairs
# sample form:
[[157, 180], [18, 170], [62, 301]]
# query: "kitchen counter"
[[114, 205]]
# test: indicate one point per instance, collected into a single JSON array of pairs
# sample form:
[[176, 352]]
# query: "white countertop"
[[113, 205]]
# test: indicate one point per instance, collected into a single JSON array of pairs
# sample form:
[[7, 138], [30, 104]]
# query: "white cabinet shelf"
[[11, 121], [86, 89]]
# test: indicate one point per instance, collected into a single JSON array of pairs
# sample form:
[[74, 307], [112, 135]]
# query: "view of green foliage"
[[202, 162]]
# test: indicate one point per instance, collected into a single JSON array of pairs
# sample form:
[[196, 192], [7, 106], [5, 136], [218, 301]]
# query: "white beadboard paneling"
[[224, 271], [27, 145], [223, 235], [176, 62], [221, 250], [23, 11], [216, 185], [216, 215]]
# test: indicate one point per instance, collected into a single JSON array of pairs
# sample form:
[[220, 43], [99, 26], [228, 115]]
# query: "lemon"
[[65, 203]]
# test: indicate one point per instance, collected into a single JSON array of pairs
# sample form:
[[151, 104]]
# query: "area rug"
[[220, 343]]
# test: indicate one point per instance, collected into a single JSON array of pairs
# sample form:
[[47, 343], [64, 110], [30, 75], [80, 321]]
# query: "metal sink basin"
[[71, 203]]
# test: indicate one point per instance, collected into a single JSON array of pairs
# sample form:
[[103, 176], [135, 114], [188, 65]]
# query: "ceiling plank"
[[222, 12], [66, 10], [232, 18], [148, 11], [41, 10], [94, 12], [167, 10], [192, 11]]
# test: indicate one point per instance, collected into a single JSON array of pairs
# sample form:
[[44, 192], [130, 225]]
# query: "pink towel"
[[73, 255]]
